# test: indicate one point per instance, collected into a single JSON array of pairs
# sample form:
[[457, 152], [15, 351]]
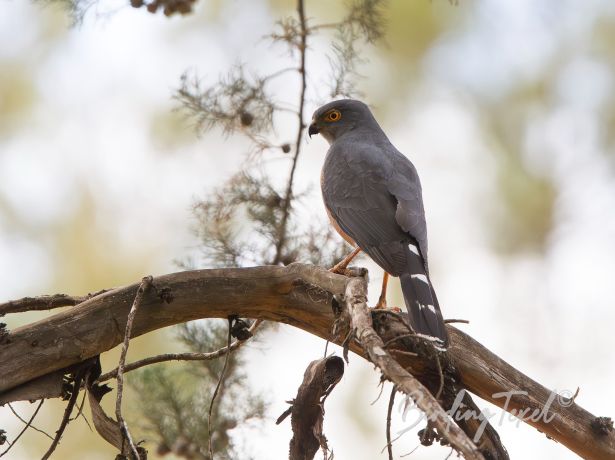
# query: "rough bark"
[[299, 295], [307, 408], [44, 387]]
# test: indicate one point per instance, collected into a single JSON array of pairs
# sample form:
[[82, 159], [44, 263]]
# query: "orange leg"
[[382, 301], [341, 266]]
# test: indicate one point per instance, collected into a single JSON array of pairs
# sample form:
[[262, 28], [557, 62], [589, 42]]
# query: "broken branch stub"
[[356, 298], [307, 409]]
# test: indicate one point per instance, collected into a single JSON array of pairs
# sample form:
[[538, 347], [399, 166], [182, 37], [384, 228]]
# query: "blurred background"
[[506, 108]]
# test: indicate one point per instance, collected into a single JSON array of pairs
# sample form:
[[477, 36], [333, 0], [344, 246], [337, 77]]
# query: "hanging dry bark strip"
[[307, 409], [299, 295], [105, 426]]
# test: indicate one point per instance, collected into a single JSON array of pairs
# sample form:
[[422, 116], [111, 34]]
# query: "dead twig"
[[28, 425], [441, 375], [453, 320], [78, 378], [145, 283], [218, 385], [80, 412], [399, 337], [381, 385], [19, 417], [389, 410], [411, 452], [288, 195], [403, 352], [45, 302], [179, 356]]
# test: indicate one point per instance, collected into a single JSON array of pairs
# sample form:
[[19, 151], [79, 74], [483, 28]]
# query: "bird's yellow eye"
[[333, 115]]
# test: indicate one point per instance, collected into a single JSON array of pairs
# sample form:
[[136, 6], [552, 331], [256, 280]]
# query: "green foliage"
[[249, 219], [237, 101], [366, 16], [240, 223], [363, 22]]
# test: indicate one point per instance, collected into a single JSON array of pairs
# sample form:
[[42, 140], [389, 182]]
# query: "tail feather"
[[421, 301]]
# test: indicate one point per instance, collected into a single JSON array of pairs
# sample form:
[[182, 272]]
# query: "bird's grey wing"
[[376, 194], [356, 192], [405, 186]]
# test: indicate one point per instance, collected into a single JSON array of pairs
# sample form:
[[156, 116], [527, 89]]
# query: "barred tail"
[[421, 301]]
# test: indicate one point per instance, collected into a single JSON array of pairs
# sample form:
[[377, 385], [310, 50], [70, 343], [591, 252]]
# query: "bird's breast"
[[326, 177]]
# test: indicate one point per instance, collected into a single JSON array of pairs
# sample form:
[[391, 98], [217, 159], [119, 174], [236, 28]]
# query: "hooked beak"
[[313, 129]]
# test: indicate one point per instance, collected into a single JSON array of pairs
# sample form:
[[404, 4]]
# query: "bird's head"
[[336, 118]]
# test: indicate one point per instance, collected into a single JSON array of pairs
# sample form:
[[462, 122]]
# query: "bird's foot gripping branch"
[[36, 358]]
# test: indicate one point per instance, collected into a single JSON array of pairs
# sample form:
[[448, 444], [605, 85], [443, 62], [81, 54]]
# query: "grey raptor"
[[373, 196]]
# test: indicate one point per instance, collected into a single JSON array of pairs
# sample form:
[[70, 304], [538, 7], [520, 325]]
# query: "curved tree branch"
[[299, 295]]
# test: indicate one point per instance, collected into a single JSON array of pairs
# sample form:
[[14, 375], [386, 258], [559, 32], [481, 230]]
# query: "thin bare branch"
[[278, 73], [389, 410], [45, 302], [217, 389], [78, 378], [179, 356], [328, 25], [286, 206], [20, 418], [28, 425], [453, 320], [145, 284], [80, 412]]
